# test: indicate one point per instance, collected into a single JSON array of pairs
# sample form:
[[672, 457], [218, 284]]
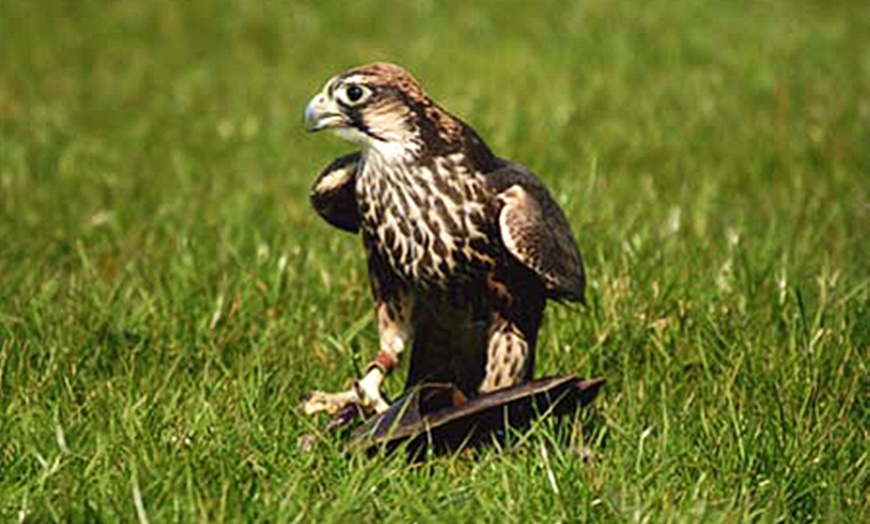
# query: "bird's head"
[[382, 107]]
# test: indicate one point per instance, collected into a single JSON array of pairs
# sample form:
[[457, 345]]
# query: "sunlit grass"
[[167, 295]]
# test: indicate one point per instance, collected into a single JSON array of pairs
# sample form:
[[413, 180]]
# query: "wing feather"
[[535, 231], [333, 194]]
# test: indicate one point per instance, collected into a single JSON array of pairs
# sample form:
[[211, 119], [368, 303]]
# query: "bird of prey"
[[463, 247]]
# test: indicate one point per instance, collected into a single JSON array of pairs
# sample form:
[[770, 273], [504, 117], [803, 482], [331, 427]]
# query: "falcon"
[[463, 248]]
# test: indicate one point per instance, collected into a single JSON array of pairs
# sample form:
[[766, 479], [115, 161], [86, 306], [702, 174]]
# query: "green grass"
[[167, 295]]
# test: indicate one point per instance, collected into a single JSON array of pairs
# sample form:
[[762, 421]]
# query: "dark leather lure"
[[438, 417]]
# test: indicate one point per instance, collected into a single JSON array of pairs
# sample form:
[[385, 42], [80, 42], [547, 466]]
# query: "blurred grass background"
[[166, 294]]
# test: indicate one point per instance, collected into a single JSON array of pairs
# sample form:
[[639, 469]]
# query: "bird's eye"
[[354, 94]]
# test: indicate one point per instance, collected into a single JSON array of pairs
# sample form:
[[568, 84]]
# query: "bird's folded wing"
[[333, 194], [535, 231]]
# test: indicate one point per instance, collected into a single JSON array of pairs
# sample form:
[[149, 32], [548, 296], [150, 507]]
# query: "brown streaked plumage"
[[464, 248]]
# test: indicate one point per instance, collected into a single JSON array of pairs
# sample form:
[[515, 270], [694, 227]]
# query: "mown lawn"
[[167, 295]]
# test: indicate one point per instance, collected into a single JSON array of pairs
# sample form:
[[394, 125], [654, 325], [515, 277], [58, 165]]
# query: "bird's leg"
[[513, 334], [394, 328], [508, 355]]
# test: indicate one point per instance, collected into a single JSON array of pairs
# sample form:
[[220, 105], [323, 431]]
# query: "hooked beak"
[[323, 113]]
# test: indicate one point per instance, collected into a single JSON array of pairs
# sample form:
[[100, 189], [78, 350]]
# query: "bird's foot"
[[364, 394], [332, 403]]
